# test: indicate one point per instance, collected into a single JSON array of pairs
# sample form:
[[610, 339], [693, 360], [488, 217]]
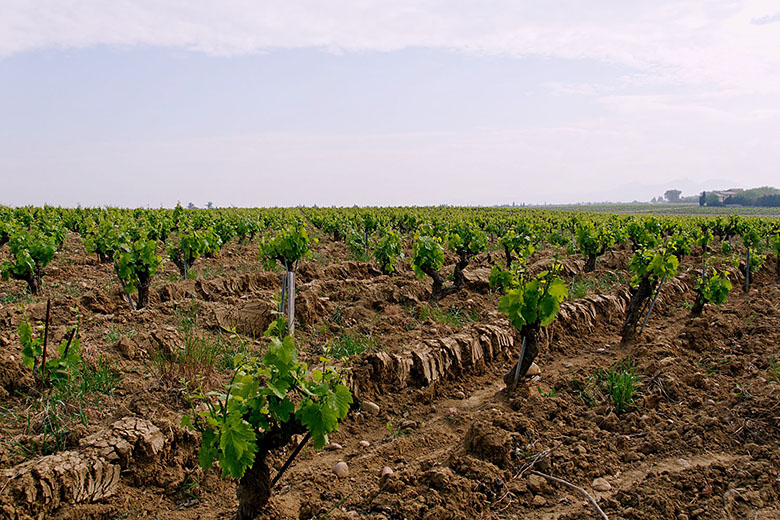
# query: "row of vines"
[[274, 397]]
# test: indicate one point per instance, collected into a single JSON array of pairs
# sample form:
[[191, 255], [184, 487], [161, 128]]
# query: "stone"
[[126, 347], [537, 484], [533, 370], [334, 446], [539, 501], [601, 484], [341, 470], [364, 443], [371, 407], [387, 470], [460, 395]]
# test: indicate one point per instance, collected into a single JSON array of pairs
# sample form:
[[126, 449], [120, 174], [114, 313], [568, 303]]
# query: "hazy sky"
[[258, 103]]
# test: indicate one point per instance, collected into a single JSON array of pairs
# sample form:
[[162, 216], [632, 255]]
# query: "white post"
[[291, 302]]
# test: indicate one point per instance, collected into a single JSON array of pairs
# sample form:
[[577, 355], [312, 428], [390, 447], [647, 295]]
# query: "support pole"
[[652, 304], [291, 302]]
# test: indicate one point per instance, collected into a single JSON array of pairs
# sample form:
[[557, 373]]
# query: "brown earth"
[[702, 440]]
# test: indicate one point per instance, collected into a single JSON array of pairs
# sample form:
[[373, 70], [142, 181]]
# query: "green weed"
[[201, 355], [622, 383], [774, 369], [350, 344], [455, 316]]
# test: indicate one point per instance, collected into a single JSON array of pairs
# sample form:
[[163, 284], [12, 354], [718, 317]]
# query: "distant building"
[[724, 194]]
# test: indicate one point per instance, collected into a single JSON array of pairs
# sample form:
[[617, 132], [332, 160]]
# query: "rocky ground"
[[434, 433]]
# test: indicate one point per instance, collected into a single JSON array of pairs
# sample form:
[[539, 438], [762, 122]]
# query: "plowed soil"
[[700, 441]]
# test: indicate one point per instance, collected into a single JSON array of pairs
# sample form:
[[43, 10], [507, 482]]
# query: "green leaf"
[[208, 449], [281, 408], [237, 446], [342, 399], [319, 419]]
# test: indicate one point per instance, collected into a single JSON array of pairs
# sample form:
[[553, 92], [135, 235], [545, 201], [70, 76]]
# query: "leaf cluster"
[[535, 300], [136, 262], [715, 288], [427, 254], [58, 368], [30, 251], [264, 397], [288, 245], [388, 250], [652, 265]]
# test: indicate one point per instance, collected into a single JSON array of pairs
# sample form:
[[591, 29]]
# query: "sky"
[[394, 102]]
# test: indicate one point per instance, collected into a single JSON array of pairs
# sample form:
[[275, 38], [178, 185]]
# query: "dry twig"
[[576, 488]]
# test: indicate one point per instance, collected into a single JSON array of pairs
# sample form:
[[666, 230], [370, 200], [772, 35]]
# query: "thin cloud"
[[765, 20], [675, 41]]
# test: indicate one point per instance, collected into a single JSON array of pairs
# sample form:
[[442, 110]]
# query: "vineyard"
[[388, 363]]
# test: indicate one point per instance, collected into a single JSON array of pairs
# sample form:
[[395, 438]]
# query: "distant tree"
[[772, 201], [210, 205], [190, 205], [672, 195], [702, 198], [712, 200]]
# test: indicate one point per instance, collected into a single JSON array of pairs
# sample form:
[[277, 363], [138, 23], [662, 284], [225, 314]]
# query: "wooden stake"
[[517, 368], [45, 339], [291, 302], [652, 304]]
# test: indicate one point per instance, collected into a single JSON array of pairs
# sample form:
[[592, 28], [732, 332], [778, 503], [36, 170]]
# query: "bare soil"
[[701, 441]]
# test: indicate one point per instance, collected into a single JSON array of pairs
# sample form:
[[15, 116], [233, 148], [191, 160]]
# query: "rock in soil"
[[341, 470], [371, 407]]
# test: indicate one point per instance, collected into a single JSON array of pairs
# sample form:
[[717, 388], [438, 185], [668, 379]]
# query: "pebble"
[[333, 446], [365, 444], [601, 484], [387, 470], [371, 407], [3, 341], [460, 395], [537, 484], [539, 501], [341, 469], [533, 370], [452, 411]]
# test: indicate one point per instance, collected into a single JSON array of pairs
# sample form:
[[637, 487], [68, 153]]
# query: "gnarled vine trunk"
[[144, 282], [254, 489], [33, 281], [530, 333], [439, 290], [698, 305], [590, 263], [639, 296]]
